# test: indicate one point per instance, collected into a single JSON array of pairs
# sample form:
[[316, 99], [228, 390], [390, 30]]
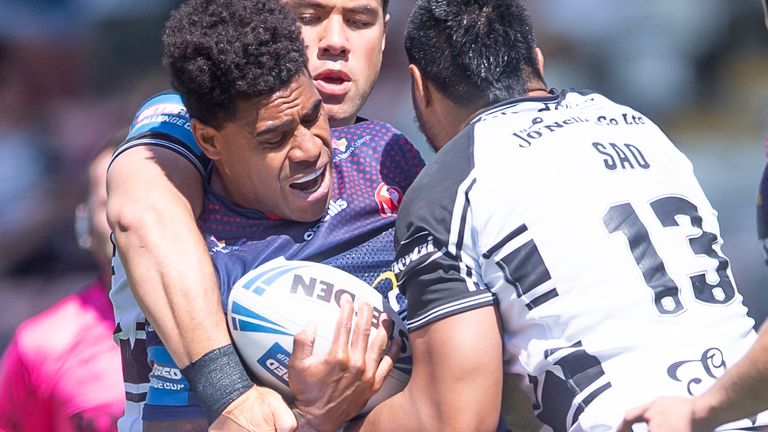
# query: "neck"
[[537, 88], [341, 122]]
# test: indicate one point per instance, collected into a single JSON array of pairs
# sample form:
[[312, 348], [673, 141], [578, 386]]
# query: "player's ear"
[[207, 138], [384, 36], [540, 61], [420, 89]]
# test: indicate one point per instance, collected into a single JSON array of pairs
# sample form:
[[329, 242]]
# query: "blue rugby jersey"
[[374, 165]]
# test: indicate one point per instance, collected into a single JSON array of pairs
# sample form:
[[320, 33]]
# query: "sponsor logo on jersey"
[[334, 208], [346, 149], [340, 144], [417, 252], [163, 113], [389, 199], [698, 373], [163, 108], [220, 246]]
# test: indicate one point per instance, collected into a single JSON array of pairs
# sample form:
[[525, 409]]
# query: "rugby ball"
[[280, 298]]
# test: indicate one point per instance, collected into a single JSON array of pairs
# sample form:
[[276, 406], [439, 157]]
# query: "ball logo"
[[274, 301], [389, 199]]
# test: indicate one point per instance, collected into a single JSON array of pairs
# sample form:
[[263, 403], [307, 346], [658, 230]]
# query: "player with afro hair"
[[240, 49]]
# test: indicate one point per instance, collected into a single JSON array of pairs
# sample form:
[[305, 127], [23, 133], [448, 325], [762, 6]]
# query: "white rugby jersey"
[[130, 335], [587, 227]]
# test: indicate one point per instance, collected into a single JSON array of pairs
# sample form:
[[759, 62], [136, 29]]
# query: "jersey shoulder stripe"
[[163, 121]]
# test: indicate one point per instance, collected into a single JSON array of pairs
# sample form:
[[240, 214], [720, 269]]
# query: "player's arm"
[[18, 396], [456, 381], [154, 198], [738, 394]]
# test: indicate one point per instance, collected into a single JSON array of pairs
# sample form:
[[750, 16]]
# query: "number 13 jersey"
[[587, 227]]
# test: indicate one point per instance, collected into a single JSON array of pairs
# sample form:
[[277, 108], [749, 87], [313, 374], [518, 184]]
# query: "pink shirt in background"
[[62, 370]]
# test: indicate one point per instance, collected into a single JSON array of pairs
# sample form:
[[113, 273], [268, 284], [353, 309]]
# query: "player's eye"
[[309, 20], [359, 24], [273, 141], [311, 118]]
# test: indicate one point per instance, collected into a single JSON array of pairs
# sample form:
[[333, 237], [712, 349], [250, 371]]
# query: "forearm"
[[171, 277], [741, 391], [169, 270], [388, 416], [455, 360]]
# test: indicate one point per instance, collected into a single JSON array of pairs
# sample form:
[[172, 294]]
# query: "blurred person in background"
[[61, 371]]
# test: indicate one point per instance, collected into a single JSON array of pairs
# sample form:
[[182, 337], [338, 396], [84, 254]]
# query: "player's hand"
[[666, 414], [330, 389], [258, 410]]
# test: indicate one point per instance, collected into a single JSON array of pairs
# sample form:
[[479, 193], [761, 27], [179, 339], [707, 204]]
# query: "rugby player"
[[740, 392], [153, 214], [256, 113], [557, 236]]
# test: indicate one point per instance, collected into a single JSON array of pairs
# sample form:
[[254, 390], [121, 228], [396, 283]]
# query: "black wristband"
[[217, 378]]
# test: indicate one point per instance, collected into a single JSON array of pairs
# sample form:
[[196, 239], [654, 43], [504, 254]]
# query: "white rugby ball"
[[280, 298]]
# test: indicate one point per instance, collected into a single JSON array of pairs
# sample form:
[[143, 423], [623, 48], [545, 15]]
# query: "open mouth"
[[332, 76], [332, 82], [310, 182]]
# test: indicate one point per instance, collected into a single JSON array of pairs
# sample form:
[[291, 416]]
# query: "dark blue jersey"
[[374, 165]]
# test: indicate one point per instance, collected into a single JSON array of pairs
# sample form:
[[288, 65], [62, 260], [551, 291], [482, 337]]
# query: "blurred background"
[[72, 72]]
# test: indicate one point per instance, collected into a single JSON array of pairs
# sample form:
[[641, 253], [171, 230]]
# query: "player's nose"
[[334, 37]]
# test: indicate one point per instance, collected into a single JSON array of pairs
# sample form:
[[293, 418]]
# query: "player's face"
[[344, 40], [275, 156], [101, 245]]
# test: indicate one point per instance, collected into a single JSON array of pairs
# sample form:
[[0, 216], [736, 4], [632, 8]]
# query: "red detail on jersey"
[[389, 199], [339, 144]]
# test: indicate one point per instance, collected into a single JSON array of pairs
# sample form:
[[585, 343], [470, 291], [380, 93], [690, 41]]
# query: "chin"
[[311, 213], [340, 114]]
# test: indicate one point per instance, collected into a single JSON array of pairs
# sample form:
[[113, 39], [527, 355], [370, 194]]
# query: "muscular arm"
[[456, 382], [154, 197], [738, 394]]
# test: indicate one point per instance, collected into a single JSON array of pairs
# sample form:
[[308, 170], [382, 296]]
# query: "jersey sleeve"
[[400, 161], [435, 264], [18, 398], [163, 121], [169, 396]]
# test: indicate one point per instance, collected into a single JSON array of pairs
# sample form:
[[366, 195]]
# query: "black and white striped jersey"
[[586, 227]]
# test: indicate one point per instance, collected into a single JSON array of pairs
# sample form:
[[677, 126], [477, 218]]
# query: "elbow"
[[147, 225], [486, 422], [471, 419], [133, 220]]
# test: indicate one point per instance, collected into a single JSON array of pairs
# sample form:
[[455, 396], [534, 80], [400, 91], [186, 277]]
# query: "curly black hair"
[[476, 51], [223, 51]]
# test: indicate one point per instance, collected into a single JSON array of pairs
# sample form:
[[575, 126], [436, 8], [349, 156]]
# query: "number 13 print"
[[622, 218]]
